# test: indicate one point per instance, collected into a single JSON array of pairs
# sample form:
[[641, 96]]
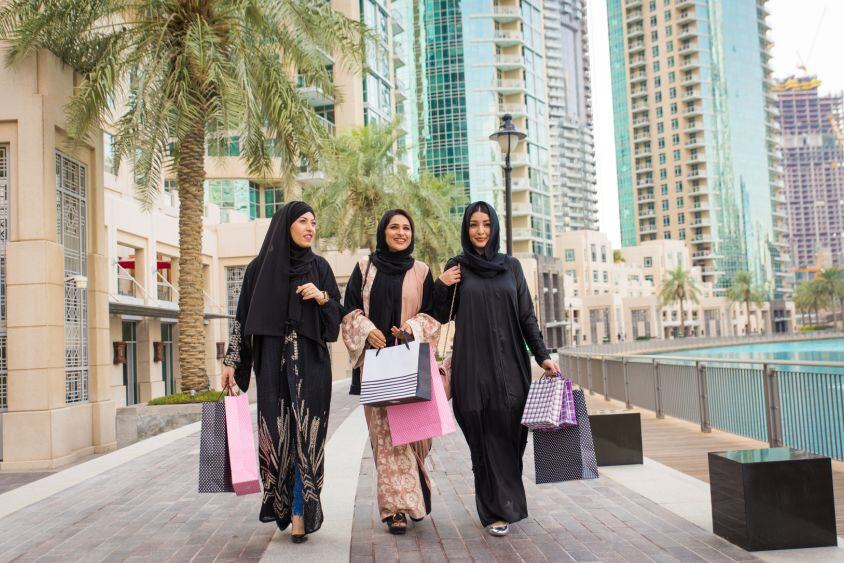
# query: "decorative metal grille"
[[4, 236], [71, 228], [641, 318], [234, 281]]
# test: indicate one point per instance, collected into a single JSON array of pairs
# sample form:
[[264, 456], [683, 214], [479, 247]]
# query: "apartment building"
[[614, 296], [697, 135], [813, 156]]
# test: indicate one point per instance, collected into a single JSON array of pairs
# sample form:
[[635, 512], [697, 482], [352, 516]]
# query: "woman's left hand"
[[310, 291], [551, 368], [399, 333]]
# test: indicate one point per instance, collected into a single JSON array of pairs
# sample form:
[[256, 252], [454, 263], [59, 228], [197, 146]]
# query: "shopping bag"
[[214, 469], [544, 403], [412, 422], [396, 375], [242, 456], [568, 453]]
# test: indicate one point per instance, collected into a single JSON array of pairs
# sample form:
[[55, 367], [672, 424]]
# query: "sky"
[[808, 32]]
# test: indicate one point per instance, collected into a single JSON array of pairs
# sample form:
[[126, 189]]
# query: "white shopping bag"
[[396, 375]]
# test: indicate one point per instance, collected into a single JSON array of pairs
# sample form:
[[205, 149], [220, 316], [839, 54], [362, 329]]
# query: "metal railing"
[[792, 403]]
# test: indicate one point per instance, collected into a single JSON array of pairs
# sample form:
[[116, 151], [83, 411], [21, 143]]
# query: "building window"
[[606, 277], [273, 200], [71, 218], [666, 221], [679, 202], [681, 234], [594, 253], [130, 368], [681, 218], [649, 262], [572, 274], [603, 254], [167, 360], [665, 204], [108, 153], [171, 185], [569, 255], [595, 276]]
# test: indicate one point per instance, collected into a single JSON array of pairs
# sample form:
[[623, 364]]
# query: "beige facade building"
[[88, 280], [610, 301]]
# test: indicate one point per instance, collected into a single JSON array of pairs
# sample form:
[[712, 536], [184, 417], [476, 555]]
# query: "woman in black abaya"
[[494, 319], [289, 309]]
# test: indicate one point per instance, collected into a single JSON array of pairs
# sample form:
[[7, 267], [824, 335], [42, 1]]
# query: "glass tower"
[[573, 183], [696, 135]]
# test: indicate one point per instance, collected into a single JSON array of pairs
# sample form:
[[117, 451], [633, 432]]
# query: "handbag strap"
[[365, 279], [450, 313]]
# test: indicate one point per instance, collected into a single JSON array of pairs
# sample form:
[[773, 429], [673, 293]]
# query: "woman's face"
[[303, 230], [399, 234], [479, 230]]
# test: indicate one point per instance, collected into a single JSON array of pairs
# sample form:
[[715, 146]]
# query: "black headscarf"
[[278, 269], [385, 299], [491, 262]]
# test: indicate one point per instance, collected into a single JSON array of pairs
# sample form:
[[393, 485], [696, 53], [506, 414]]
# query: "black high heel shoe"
[[298, 538]]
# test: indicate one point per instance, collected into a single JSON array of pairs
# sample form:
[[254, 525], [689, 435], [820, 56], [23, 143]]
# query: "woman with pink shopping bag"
[[289, 308], [388, 298]]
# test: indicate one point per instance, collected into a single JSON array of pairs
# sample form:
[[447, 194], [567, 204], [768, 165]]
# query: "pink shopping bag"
[[244, 460], [419, 421]]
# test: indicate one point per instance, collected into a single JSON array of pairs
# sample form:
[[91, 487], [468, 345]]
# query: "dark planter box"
[[618, 437], [776, 498]]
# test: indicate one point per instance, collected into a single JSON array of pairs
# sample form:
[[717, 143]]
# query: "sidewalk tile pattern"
[[146, 510], [596, 520]]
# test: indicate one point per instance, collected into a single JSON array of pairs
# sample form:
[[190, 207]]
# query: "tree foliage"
[[679, 287]]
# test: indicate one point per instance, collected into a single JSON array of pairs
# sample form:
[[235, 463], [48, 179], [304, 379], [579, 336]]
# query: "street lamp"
[[508, 136], [571, 325]]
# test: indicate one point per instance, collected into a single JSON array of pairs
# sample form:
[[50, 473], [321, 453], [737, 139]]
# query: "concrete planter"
[[138, 422]]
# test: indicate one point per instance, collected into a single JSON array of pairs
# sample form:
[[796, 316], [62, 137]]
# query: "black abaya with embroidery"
[[490, 377], [293, 375]]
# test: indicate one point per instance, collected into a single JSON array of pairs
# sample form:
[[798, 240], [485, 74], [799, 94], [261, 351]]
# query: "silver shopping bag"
[[215, 475], [396, 375]]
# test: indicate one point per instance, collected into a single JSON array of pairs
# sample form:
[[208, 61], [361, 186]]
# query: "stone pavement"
[[146, 510], [596, 520]]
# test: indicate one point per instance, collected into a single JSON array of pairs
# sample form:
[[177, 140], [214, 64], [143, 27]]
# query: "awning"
[[115, 308], [130, 264]]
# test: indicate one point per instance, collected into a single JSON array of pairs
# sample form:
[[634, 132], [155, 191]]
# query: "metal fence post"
[[589, 375], [773, 420], [626, 382], [657, 392], [606, 382], [703, 396]]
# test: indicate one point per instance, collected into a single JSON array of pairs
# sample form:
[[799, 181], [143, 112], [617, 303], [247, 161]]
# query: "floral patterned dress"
[[403, 485]]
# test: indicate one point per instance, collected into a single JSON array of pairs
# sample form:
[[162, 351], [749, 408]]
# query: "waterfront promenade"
[[141, 504]]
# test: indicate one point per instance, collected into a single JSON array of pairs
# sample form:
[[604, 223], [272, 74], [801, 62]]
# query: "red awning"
[[130, 264]]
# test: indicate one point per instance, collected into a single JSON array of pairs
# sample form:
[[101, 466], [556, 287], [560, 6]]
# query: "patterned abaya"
[[284, 339]]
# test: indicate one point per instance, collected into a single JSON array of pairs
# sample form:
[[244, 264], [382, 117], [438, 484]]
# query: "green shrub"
[[209, 396], [807, 328]]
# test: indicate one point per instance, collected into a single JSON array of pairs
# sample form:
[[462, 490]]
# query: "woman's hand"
[[376, 339], [551, 368], [310, 291], [451, 276], [402, 333], [227, 378]]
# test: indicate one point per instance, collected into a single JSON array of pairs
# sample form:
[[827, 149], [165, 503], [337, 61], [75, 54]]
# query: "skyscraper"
[[696, 134], [814, 169], [473, 61], [573, 185]]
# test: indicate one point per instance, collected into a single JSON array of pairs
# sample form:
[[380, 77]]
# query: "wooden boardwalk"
[[682, 446]]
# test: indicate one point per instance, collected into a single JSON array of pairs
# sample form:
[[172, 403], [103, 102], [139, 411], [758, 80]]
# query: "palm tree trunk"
[[191, 174], [682, 321], [747, 323]]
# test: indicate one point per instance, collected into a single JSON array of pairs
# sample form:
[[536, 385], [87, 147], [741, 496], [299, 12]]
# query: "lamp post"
[[508, 136], [571, 325]]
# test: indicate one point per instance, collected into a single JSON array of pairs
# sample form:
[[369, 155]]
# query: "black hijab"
[[278, 269], [385, 299], [491, 262]]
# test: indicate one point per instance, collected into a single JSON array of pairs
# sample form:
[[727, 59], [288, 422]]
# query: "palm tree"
[[432, 201], [679, 287], [617, 257], [363, 180], [812, 295], [831, 283], [744, 291], [359, 187], [177, 71]]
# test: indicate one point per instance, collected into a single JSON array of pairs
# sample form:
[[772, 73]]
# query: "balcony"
[[634, 16], [647, 214], [309, 176], [705, 238], [691, 95], [646, 198], [398, 54], [521, 209], [691, 111], [515, 110], [510, 85], [509, 62], [693, 142], [635, 31], [507, 38], [687, 32], [647, 229], [702, 222], [518, 160], [686, 16], [645, 183], [398, 22], [637, 62], [312, 93], [506, 14], [637, 77], [520, 184], [634, 47]]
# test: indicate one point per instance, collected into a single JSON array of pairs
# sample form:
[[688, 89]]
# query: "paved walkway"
[[148, 510]]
